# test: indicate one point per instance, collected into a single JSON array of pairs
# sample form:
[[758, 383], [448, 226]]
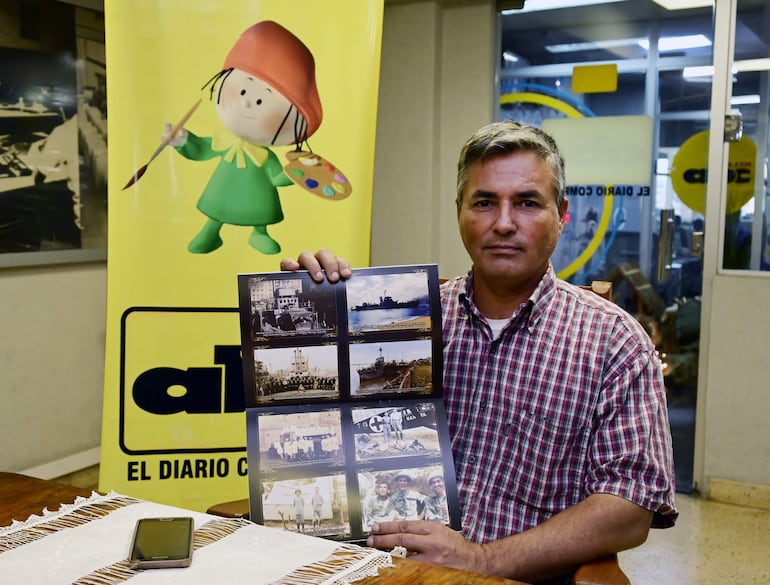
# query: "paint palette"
[[317, 175]]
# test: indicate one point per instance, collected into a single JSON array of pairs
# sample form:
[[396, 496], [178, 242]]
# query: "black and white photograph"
[[388, 302], [392, 367], [300, 439], [307, 373], [287, 307], [53, 128], [396, 429], [316, 505], [403, 494]]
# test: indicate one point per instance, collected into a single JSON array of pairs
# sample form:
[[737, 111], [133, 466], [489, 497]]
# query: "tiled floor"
[[711, 543]]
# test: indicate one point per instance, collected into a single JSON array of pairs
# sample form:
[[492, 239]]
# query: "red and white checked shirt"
[[569, 401]]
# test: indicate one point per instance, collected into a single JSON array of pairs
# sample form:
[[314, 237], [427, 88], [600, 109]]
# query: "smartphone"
[[160, 543]]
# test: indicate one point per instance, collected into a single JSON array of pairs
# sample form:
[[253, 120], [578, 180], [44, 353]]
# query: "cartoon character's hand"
[[176, 141]]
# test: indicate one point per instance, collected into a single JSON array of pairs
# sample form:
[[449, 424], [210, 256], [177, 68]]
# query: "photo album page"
[[345, 422]]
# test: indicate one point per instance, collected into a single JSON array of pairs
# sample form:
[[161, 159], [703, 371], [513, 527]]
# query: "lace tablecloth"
[[86, 543]]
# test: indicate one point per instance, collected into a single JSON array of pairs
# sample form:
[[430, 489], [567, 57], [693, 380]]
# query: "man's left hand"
[[429, 542]]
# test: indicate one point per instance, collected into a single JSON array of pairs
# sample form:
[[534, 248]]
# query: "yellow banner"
[[239, 133]]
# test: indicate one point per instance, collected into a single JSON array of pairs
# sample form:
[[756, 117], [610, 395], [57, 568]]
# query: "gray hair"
[[505, 137]]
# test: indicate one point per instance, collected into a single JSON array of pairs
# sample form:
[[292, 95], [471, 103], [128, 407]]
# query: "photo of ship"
[[408, 370], [285, 307], [404, 303], [387, 302], [287, 374]]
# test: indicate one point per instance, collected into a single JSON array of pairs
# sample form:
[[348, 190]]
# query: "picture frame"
[[53, 134]]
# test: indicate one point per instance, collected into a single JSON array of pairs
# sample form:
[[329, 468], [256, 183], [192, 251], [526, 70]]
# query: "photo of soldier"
[[376, 505], [288, 503], [414, 432]]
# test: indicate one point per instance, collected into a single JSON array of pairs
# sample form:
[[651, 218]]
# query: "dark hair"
[[505, 137]]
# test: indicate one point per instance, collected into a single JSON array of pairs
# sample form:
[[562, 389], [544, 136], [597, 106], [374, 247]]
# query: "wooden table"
[[22, 496]]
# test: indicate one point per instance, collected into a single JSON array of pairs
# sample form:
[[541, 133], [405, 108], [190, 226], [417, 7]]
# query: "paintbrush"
[[138, 174]]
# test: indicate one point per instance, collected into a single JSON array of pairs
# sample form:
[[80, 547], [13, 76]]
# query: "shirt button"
[[472, 459]]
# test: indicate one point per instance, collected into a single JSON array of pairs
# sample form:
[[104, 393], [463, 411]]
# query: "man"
[[317, 503], [299, 510], [436, 508], [378, 506], [554, 396], [408, 503], [397, 423]]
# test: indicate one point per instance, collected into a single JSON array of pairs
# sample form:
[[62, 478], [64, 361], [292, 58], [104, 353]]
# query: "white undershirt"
[[497, 326]]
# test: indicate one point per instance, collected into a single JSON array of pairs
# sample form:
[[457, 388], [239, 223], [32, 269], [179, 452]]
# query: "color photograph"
[[393, 367], [388, 302]]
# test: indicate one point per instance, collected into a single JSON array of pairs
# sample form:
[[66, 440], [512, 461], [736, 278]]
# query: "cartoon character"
[[266, 95]]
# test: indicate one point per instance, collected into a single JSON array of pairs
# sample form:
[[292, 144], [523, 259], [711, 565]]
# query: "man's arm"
[[601, 524]]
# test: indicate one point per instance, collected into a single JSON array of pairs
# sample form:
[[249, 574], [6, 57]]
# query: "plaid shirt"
[[569, 401]]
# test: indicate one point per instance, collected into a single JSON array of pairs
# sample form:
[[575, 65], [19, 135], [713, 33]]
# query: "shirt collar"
[[529, 312]]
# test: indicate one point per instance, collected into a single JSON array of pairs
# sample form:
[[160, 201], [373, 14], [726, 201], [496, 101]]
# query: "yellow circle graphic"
[[689, 172]]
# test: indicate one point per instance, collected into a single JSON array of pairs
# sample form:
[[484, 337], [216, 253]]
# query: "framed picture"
[[53, 133]]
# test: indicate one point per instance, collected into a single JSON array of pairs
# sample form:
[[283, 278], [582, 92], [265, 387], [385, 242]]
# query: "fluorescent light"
[[682, 4], [509, 57], [590, 46], [739, 100], [664, 44], [693, 72], [540, 5], [678, 43]]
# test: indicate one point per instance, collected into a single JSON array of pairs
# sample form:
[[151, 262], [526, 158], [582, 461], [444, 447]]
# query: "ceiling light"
[[509, 57], [590, 46], [682, 4], [540, 5], [738, 100], [664, 44], [678, 43]]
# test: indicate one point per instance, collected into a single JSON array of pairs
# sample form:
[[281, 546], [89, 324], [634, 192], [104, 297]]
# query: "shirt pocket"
[[549, 456]]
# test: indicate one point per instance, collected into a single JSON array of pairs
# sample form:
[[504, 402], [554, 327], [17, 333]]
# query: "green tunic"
[[238, 195]]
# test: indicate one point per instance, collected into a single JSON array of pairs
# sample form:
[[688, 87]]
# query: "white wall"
[[736, 427], [51, 362]]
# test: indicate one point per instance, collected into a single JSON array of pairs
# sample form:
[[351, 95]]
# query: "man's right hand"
[[335, 267]]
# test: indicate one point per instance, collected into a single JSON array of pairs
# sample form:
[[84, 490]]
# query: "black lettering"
[[243, 466], [203, 394], [133, 470], [164, 469], [187, 469], [695, 176], [229, 356]]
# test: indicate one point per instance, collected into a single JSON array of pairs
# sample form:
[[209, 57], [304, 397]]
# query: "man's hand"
[[336, 267], [429, 542]]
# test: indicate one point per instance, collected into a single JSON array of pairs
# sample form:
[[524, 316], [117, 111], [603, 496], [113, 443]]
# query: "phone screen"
[[162, 542]]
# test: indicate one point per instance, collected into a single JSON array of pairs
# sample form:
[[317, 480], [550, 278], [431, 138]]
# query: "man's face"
[[437, 484], [403, 484], [509, 221], [382, 490]]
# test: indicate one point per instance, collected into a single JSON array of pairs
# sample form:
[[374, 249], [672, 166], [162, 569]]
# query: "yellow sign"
[[689, 172], [201, 190]]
